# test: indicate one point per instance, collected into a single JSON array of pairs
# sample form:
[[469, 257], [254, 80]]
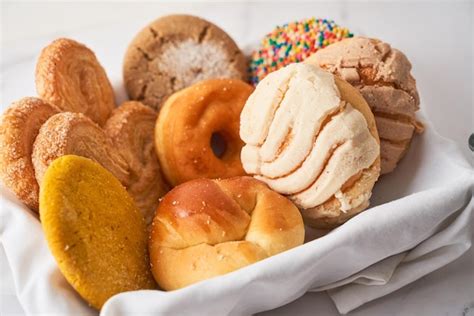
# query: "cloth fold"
[[421, 220]]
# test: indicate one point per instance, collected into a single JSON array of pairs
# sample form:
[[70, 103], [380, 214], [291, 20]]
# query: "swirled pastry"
[[382, 75], [19, 126], [69, 76], [131, 129], [75, 134], [313, 138], [204, 228]]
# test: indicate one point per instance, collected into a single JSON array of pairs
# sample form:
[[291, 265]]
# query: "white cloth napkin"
[[421, 219]]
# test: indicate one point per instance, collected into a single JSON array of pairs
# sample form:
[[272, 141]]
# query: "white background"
[[437, 37]]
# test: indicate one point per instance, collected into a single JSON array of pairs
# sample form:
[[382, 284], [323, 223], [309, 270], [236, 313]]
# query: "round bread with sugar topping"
[[383, 76], [175, 52], [205, 228], [311, 136], [19, 126]]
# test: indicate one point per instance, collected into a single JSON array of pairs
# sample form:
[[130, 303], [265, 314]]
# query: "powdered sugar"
[[189, 61]]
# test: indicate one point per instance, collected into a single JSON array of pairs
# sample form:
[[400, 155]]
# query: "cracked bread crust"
[[382, 75], [175, 52]]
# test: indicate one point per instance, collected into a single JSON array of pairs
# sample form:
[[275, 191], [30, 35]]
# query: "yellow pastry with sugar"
[[312, 137], [205, 228], [94, 230]]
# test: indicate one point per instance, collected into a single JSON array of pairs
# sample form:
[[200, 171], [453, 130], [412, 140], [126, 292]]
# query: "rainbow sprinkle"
[[293, 42]]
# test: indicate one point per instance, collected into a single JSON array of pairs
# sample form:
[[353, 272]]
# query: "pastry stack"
[[201, 173]]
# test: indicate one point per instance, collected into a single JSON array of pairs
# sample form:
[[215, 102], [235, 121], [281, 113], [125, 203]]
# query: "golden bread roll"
[[19, 126], [205, 228], [131, 129], [312, 137], [94, 230], [189, 122], [69, 76]]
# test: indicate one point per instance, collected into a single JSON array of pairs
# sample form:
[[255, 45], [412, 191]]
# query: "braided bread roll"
[[69, 76], [313, 138], [19, 126], [205, 228], [75, 134], [382, 75], [131, 129]]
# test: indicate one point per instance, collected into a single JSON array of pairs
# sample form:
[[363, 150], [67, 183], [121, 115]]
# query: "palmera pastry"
[[382, 75], [205, 228], [125, 148], [131, 129], [190, 119], [19, 126], [69, 76], [94, 230], [75, 134], [312, 137], [175, 52]]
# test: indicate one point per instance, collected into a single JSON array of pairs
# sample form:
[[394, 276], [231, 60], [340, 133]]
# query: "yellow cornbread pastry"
[[94, 230]]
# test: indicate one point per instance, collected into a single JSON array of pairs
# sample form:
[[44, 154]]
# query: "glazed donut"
[[19, 125], [131, 129], [69, 76], [205, 228], [194, 117], [175, 52], [74, 133]]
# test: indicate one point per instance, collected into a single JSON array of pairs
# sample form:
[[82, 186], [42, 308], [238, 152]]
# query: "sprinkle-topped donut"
[[293, 42]]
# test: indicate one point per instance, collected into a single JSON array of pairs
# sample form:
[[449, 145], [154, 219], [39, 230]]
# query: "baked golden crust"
[[175, 52], [69, 76], [205, 228], [75, 134], [94, 230], [186, 124], [19, 126], [131, 129]]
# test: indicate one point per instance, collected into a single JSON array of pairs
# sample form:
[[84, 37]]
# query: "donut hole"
[[218, 144]]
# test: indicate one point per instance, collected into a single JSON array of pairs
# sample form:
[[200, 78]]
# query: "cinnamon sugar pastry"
[[69, 76], [131, 129], [312, 136], [19, 126], [382, 75], [74, 133]]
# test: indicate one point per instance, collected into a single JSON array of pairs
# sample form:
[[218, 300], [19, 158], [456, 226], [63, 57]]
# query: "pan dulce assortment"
[[214, 163]]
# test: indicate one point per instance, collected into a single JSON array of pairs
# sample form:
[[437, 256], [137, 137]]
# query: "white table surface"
[[436, 36]]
